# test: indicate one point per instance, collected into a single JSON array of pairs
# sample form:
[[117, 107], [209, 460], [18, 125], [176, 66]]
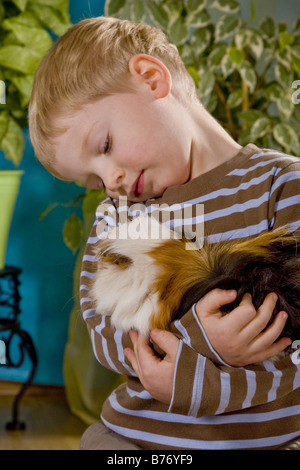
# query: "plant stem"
[[245, 102]]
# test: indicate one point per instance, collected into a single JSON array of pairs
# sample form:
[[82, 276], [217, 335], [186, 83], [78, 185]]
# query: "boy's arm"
[[203, 388], [198, 382]]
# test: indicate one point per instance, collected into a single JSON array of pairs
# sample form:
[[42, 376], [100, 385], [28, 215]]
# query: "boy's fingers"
[[262, 318], [272, 351], [244, 313], [129, 354], [168, 342], [264, 312], [211, 302], [142, 351], [270, 335]]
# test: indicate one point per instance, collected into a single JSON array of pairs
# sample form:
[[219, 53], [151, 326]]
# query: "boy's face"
[[132, 144]]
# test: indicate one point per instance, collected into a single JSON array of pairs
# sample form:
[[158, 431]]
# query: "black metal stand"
[[14, 336]]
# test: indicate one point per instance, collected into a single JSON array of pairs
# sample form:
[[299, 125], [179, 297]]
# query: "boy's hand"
[[155, 374], [238, 337]]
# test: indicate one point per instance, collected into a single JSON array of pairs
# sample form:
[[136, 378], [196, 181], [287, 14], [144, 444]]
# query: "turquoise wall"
[[37, 246]]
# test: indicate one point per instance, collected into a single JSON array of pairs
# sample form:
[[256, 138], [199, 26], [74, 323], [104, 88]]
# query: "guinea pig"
[[145, 283]]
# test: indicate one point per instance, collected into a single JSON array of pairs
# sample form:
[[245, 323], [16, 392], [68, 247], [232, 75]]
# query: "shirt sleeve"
[[284, 201], [108, 342], [205, 385]]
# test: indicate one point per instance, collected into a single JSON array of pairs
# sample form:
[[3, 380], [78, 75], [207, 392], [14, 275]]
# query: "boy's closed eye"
[[107, 145]]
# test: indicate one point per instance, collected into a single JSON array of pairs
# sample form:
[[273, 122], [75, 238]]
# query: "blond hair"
[[88, 62]]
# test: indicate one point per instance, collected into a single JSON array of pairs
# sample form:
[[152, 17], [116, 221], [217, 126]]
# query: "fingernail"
[[284, 315], [231, 293], [154, 332]]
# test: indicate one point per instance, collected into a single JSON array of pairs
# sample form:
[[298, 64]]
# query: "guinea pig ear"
[[149, 70]]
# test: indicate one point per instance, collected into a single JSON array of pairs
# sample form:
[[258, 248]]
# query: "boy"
[[113, 106]]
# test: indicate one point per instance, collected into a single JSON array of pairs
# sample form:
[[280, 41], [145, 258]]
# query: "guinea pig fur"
[[146, 283]]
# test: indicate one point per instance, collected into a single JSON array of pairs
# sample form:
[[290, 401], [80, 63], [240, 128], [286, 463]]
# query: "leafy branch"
[[244, 75]]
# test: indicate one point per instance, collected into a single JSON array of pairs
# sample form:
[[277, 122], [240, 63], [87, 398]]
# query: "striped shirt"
[[214, 405]]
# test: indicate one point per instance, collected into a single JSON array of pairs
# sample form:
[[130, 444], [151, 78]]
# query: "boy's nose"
[[114, 179]]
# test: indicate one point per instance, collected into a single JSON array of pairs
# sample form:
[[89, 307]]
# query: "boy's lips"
[[138, 186]]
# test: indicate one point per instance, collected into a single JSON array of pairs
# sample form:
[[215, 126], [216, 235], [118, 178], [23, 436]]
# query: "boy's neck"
[[211, 145]]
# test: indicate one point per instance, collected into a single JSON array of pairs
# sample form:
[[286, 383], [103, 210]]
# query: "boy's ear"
[[152, 72]]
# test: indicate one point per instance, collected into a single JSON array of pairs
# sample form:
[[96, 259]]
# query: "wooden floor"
[[49, 423]]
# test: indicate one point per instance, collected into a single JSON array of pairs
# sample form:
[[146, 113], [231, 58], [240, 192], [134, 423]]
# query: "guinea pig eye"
[[117, 259]]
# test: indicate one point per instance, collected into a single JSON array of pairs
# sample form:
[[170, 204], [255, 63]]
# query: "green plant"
[[76, 228], [244, 75], [25, 36]]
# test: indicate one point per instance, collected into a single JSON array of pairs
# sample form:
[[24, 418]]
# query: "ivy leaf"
[[56, 4], [72, 232], [113, 7], [268, 27], [51, 18], [178, 31], [198, 19], [235, 99], [205, 86], [256, 43], [250, 115], [216, 56], [19, 58], [242, 38], [226, 26], [296, 51], [138, 12], [12, 142], [285, 39], [286, 136], [194, 6], [3, 124], [200, 40], [159, 15], [236, 55], [228, 6], [273, 91], [296, 65], [283, 75], [248, 75], [35, 38], [24, 84], [285, 105], [227, 66], [260, 128], [194, 74], [21, 4]]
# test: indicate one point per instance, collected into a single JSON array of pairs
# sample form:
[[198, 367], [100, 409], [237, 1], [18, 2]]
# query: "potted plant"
[[25, 27]]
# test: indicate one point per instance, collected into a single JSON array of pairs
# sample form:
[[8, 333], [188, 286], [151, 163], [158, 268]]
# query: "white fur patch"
[[127, 294]]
